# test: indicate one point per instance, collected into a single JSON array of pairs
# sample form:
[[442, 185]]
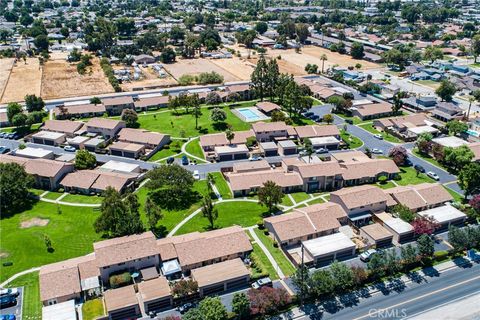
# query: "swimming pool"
[[250, 114]]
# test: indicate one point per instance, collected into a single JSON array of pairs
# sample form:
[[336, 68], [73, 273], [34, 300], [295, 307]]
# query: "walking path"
[[184, 150], [72, 204], [15, 276], [267, 253]]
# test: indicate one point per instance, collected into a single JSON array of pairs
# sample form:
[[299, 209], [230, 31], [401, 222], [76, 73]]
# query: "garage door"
[[158, 305], [116, 153], [240, 156], [124, 314], [321, 262], [344, 254], [213, 289], [129, 154], [237, 283], [225, 158]]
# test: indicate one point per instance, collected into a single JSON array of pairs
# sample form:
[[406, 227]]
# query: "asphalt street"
[[399, 300]]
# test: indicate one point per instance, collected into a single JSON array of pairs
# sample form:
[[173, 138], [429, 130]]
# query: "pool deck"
[[257, 114]]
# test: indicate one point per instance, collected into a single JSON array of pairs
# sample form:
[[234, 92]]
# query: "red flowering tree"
[[398, 154], [424, 225], [475, 204], [267, 300]]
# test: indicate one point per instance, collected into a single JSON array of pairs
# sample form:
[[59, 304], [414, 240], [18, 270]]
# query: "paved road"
[[402, 300]]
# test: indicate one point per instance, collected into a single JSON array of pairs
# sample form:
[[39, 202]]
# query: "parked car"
[[349, 121], [185, 307], [4, 150], [185, 161], [321, 150], [433, 175], [378, 136], [69, 149], [196, 175], [262, 283], [170, 160], [365, 257], [377, 151], [308, 114], [7, 301], [419, 168], [407, 162], [9, 135], [8, 317], [255, 158], [2, 134], [9, 292]]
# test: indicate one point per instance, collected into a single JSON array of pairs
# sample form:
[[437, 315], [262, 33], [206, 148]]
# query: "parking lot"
[[16, 309]]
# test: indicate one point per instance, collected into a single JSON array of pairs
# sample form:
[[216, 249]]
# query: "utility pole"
[[302, 275]]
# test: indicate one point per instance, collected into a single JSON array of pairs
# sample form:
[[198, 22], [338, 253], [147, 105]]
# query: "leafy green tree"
[[424, 142], [432, 53], [241, 305], [469, 179], [476, 47], [458, 238], [459, 157], [404, 212], [261, 27], [193, 314], [153, 213], [328, 118], [357, 50], [446, 90], [270, 195], [301, 29], [218, 115], [168, 55], [41, 42], [377, 265], [130, 117], [455, 127], [343, 275], [322, 283], [301, 279], [212, 308], [19, 120], [213, 98], [408, 255], [246, 37], [209, 211], [230, 135], [13, 109], [95, 100], [85, 160], [272, 78], [397, 104], [259, 78], [425, 246], [14, 187], [324, 58], [308, 147], [194, 102]]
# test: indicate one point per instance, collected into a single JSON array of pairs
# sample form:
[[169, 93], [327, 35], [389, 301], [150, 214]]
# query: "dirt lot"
[[61, 79], [195, 67], [238, 67], [6, 65], [150, 80], [343, 60], [25, 78]]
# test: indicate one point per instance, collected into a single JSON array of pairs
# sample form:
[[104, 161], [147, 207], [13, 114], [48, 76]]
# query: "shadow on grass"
[[26, 205]]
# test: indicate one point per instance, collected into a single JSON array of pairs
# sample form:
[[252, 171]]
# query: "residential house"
[[122, 303], [97, 181], [49, 138], [445, 216], [286, 147], [324, 250], [377, 235], [149, 103], [446, 111], [372, 111], [115, 106], [402, 231], [155, 294], [107, 128], [67, 127], [419, 197], [79, 111], [152, 141], [269, 131], [316, 131], [420, 104], [267, 107]]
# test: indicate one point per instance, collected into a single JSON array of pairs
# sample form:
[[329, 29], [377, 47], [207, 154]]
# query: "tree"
[[13, 109], [425, 246], [19, 120], [246, 37], [184, 288], [455, 127], [212, 308], [476, 47], [273, 74], [399, 155], [41, 42], [408, 255], [308, 147], [459, 157], [130, 117], [357, 50], [209, 211], [270, 195], [343, 276], [424, 142], [311, 68], [35, 117], [259, 78], [324, 58], [261, 27], [301, 279], [396, 57], [360, 275], [277, 116], [34, 103], [432, 53], [469, 179], [328, 118], [218, 115], [85, 160], [446, 90], [230, 135], [193, 314], [301, 29], [167, 55], [48, 243], [95, 100], [397, 104], [404, 212], [171, 186], [241, 305], [193, 101], [119, 218], [424, 225], [213, 98], [153, 213], [267, 300], [377, 265], [321, 283], [475, 204], [14, 187], [458, 238]]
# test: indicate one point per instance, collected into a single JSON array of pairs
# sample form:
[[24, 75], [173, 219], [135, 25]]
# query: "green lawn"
[[426, 158], [31, 307], [386, 136], [356, 120], [387, 185], [92, 309], [71, 233], [164, 153], [193, 147], [456, 196], [300, 196], [37, 192], [222, 185], [263, 266], [52, 195], [286, 201], [409, 176], [244, 214], [352, 141], [80, 198], [285, 265], [315, 201], [173, 124]]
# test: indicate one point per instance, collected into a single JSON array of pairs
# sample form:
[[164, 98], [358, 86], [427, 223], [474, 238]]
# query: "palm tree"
[[229, 135], [470, 100], [324, 58]]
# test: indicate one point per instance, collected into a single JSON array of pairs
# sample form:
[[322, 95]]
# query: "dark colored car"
[[408, 162], [185, 307], [308, 114], [7, 301], [4, 150], [419, 168], [185, 160], [8, 317], [170, 160], [349, 121]]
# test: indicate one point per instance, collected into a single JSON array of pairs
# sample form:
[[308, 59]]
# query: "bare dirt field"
[[284, 66], [240, 68], [25, 78], [195, 67], [149, 80], [34, 222], [6, 65], [343, 60], [61, 79]]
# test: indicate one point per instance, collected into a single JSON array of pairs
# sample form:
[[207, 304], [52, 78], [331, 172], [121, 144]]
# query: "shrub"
[[440, 255], [108, 71], [186, 80], [266, 232], [210, 78], [120, 280], [260, 225]]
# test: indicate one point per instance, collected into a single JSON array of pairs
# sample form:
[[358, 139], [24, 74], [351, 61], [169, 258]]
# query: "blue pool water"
[[249, 114]]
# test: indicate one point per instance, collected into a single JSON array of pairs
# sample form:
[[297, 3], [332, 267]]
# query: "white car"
[[69, 149], [262, 283], [255, 158], [9, 291], [378, 136], [367, 255], [433, 175], [196, 175], [377, 151]]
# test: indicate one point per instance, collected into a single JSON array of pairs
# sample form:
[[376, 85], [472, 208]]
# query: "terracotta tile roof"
[[269, 126], [81, 109], [219, 139], [267, 106], [317, 131], [65, 126], [377, 232], [166, 249], [321, 169], [350, 156], [251, 166], [374, 109], [46, 168], [126, 146], [89, 268], [120, 298], [152, 101], [433, 193], [104, 123], [370, 168], [123, 249], [475, 147], [220, 272], [117, 101], [239, 88], [140, 136], [154, 289], [6, 158], [419, 196], [356, 197], [247, 180], [82, 179]]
